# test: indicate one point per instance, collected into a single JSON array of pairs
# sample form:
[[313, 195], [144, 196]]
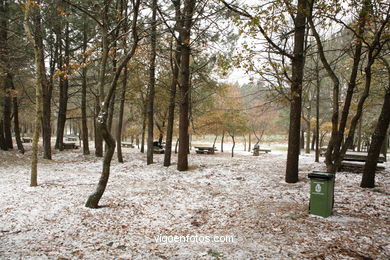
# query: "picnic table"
[[205, 149], [158, 147], [68, 146], [257, 150], [26, 140], [356, 161], [127, 145], [360, 157]]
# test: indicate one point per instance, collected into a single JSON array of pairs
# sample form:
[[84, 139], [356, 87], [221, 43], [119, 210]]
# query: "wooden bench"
[[127, 145], [205, 149], [360, 157], [69, 146], [265, 150], [26, 140], [257, 150], [158, 150], [354, 161], [357, 166]]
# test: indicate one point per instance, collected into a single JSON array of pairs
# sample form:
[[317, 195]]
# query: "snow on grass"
[[245, 197]]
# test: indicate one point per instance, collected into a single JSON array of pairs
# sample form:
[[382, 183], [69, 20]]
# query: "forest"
[[194, 129]]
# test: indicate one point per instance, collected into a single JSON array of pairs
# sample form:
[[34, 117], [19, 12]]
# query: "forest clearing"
[[194, 129], [244, 197]]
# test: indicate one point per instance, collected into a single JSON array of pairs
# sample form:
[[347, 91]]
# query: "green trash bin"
[[321, 193]]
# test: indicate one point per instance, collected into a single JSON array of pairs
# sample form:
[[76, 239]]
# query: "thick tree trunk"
[[368, 179], [185, 37], [298, 64], [6, 76]]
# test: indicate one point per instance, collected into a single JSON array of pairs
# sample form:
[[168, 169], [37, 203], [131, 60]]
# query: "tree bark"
[[185, 37], [298, 63], [144, 117], [120, 119], [172, 95], [378, 137], [2, 139], [223, 136], [84, 118], [5, 71], [152, 82], [37, 42], [7, 108], [16, 122], [63, 62], [317, 136]]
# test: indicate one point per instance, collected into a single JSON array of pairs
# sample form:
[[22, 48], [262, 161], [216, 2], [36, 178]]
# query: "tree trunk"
[[144, 116], [120, 119], [317, 136], [176, 145], [244, 143], [234, 144], [249, 142], [172, 95], [215, 140], [3, 146], [63, 62], [308, 134], [185, 37], [152, 82], [37, 41], [223, 136], [46, 120], [313, 140], [368, 179], [302, 140], [5, 70], [16, 122], [7, 121], [297, 65], [84, 93], [94, 198], [359, 134]]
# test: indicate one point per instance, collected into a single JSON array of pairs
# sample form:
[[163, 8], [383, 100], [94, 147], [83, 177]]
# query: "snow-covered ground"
[[242, 199]]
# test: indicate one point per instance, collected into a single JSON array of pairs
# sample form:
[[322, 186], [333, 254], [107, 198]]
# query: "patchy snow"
[[245, 197]]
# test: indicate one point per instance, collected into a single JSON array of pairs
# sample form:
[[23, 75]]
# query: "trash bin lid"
[[321, 175]]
